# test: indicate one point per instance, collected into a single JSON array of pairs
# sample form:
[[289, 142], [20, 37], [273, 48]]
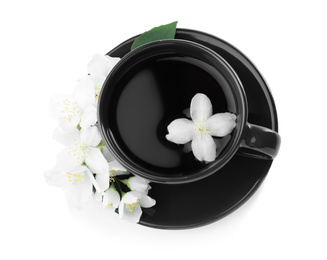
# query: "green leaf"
[[157, 33], [79, 127]]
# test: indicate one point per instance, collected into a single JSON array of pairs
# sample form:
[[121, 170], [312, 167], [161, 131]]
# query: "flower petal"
[[90, 135], [180, 131], [57, 177], [103, 181], [144, 200], [138, 184], [77, 195], [89, 116], [201, 107], [147, 202], [93, 180], [67, 160], [98, 196], [113, 61], [95, 160], [204, 148], [84, 92], [66, 136], [222, 124], [131, 216], [80, 189], [116, 166], [101, 64], [111, 199]]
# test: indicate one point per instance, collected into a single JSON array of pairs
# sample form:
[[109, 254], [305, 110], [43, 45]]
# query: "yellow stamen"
[[75, 178], [131, 207], [202, 127], [79, 151], [112, 176], [70, 111]]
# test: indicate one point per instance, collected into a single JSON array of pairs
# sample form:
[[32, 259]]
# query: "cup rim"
[[215, 165]]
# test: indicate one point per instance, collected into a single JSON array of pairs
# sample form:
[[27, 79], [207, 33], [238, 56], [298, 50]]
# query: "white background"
[[45, 46]]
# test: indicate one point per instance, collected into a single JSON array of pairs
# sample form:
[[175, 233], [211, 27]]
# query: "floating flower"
[[78, 183], [200, 130], [131, 204]]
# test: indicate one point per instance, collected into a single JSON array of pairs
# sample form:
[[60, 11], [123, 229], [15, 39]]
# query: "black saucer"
[[202, 202]]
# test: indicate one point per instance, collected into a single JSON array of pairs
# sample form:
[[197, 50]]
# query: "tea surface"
[[150, 98]]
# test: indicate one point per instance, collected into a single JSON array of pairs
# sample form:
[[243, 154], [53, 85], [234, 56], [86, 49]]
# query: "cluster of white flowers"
[[85, 168]]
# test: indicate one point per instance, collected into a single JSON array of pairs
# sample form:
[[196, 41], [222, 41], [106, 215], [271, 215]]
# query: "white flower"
[[77, 183], [81, 148], [131, 203], [101, 64], [201, 128], [68, 110], [111, 199], [138, 184], [80, 107]]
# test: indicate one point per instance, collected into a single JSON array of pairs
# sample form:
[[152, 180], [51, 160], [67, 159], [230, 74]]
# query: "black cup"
[[148, 89]]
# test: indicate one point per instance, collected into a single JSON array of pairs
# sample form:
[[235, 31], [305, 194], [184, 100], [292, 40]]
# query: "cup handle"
[[259, 142]]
